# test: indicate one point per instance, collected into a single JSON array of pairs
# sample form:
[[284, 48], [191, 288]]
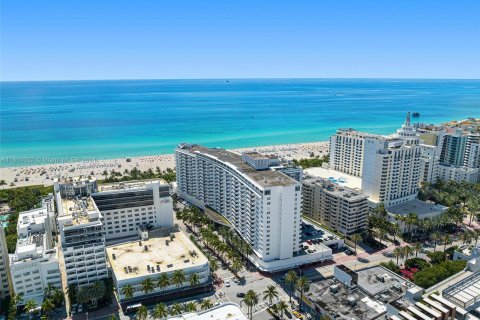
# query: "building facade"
[[5, 284], [347, 151], [124, 207], [446, 173], [392, 166], [340, 208], [262, 205]]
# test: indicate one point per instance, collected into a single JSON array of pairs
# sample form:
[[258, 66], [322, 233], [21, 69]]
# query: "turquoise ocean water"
[[44, 122]]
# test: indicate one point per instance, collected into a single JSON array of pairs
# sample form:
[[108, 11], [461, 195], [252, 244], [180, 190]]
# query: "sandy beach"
[[47, 174]]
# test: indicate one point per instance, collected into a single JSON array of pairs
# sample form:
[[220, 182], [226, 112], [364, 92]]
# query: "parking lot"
[[313, 237]]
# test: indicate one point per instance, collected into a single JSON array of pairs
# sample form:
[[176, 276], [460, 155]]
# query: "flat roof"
[[265, 178], [338, 177], [259, 156], [365, 307], [336, 189], [129, 185], [34, 216], [174, 256], [229, 311], [78, 210], [419, 207], [388, 289]]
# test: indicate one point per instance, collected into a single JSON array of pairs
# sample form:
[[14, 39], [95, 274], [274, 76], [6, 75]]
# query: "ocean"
[[46, 122]]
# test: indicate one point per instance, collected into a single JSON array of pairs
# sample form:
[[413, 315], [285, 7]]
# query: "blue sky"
[[92, 39]]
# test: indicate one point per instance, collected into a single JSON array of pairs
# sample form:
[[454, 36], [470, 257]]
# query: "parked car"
[[241, 295], [364, 260], [227, 283]]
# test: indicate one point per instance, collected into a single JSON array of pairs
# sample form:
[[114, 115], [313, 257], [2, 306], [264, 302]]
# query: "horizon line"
[[241, 78]]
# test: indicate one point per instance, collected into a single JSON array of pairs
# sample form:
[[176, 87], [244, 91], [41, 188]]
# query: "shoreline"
[[46, 174]]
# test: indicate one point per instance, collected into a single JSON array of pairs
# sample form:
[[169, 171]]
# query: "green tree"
[[190, 306], [356, 237], [290, 280], [270, 293], [178, 278], [302, 286], [160, 311], [148, 285], [47, 306], [281, 308], [206, 304], [163, 281], [128, 291], [142, 313], [194, 279], [250, 300], [29, 306], [97, 291], [176, 309]]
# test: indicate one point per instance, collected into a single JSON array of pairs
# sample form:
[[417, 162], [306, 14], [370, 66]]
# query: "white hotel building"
[[392, 166], [262, 205]]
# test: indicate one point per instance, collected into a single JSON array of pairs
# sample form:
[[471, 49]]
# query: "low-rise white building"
[[227, 310], [34, 266], [422, 209], [447, 172], [133, 262]]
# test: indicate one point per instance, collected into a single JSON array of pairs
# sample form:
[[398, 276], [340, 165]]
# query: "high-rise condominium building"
[[472, 151], [429, 163], [5, 287], [263, 205], [392, 166], [347, 151], [453, 148], [340, 208]]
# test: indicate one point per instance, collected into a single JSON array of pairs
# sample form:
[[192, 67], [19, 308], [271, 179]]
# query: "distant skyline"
[[94, 40]]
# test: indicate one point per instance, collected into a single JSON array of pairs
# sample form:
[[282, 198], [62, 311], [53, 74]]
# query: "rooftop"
[[226, 311], [128, 185], [150, 256], [79, 210], [382, 284], [336, 189], [419, 207], [260, 156], [34, 216], [264, 178], [342, 302], [337, 177]]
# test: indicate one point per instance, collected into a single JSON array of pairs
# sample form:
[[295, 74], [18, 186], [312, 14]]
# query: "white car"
[[227, 283]]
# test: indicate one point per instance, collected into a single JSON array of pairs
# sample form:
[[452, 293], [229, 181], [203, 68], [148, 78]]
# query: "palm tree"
[[466, 237], [57, 296], [395, 231], [408, 251], [398, 253], [281, 308], [83, 296], [176, 309], [160, 311], [291, 279], [47, 306], [128, 291], [178, 278], [446, 240], [29, 306], [302, 285], [270, 293], [213, 265], [411, 220], [148, 285], [72, 293], [417, 248], [163, 281], [436, 239], [194, 279], [191, 306], [250, 300], [97, 290], [47, 292], [17, 299], [142, 313], [237, 266], [206, 304], [356, 237]]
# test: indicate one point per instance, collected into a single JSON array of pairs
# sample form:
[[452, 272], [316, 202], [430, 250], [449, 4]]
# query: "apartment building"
[[82, 237], [34, 265], [126, 206], [429, 162], [263, 205], [472, 151], [342, 209], [347, 151], [5, 284], [446, 173]]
